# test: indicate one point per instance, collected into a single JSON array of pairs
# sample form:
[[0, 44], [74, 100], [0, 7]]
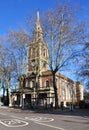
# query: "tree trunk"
[[3, 95], [7, 99], [55, 91], [10, 103]]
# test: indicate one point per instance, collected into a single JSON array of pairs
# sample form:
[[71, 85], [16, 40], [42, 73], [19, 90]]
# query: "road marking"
[[40, 123], [13, 123], [59, 128], [39, 119]]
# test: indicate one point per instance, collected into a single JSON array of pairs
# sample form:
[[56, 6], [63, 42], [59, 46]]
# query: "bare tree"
[[84, 65], [18, 40], [6, 70], [64, 35], [13, 58]]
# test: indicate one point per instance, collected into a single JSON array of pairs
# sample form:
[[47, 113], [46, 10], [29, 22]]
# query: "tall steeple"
[[38, 33], [38, 50]]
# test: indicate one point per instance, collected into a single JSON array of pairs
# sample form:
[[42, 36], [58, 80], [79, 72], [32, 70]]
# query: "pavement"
[[41, 119], [66, 111]]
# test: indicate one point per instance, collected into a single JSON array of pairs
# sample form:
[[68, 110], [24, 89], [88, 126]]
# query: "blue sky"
[[13, 12]]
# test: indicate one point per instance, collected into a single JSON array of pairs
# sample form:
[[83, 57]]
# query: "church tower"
[[37, 51]]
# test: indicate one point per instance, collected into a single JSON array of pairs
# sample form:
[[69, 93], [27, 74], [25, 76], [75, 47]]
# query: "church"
[[35, 89]]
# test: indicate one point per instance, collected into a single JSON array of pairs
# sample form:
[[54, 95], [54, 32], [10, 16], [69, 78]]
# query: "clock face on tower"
[[33, 63]]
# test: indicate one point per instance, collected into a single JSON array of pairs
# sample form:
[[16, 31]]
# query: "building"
[[36, 87]]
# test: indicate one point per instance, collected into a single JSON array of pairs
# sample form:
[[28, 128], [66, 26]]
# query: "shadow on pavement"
[[76, 112]]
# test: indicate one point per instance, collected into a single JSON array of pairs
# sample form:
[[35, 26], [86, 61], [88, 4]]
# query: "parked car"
[[84, 104]]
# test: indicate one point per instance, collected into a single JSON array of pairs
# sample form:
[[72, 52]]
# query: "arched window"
[[31, 51], [32, 84], [44, 52], [47, 83]]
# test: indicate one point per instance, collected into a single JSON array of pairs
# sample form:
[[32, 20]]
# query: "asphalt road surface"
[[16, 119]]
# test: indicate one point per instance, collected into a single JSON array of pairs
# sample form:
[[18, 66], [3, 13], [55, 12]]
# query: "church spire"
[[38, 19], [38, 33]]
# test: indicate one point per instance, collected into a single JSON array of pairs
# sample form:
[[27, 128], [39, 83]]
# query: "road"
[[16, 119]]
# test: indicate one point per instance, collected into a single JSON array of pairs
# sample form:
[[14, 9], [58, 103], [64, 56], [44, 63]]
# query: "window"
[[32, 84], [38, 28], [44, 64], [44, 52], [63, 87], [37, 51], [47, 83], [56, 81], [31, 51]]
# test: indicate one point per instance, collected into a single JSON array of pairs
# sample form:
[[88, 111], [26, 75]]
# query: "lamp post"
[[23, 98], [22, 86], [72, 96]]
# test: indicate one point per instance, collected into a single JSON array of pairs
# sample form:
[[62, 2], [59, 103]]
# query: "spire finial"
[[38, 33], [38, 18]]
